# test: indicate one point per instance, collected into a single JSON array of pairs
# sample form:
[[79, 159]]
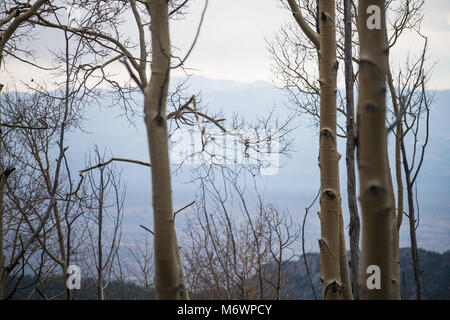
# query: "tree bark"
[[354, 228], [376, 203], [329, 158], [167, 267], [394, 234], [333, 254], [412, 225], [99, 239], [3, 271], [397, 217], [184, 295], [343, 262]]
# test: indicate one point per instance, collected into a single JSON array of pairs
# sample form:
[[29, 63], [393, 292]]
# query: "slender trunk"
[[343, 262], [394, 231], [3, 273], [412, 225], [279, 271], [61, 239], [397, 221], [279, 275], [99, 241], [68, 247], [376, 202], [62, 248], [329, 157], [167, 266], [350, 150], [184, 295]]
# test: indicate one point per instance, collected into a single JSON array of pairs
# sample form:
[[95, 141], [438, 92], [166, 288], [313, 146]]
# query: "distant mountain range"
[[296, 182], [435, 277], [293, 187], [435, 266]]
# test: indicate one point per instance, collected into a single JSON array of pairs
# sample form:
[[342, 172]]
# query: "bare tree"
[[231, 256], [142, 256], [104, 216], [13, 22], [412, 114], [354, 226]]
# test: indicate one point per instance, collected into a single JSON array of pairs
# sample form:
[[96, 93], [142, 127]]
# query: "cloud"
[[437, 15], [232, 41]]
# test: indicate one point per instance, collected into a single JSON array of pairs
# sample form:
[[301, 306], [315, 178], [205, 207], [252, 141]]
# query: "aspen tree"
[[330, 211], [375, 197], [167, 267], [170, 282], [290, 48], [333, 253], [354, 227]]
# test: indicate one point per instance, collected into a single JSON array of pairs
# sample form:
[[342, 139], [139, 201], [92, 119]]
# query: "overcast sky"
[[232, 41]]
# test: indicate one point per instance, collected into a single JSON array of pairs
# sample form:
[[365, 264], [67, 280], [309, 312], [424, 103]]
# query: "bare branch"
[[306, 28]]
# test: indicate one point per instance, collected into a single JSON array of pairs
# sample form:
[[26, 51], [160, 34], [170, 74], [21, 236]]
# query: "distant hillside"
[[436, 281], [54, 289], [296, 182], [435, 278]]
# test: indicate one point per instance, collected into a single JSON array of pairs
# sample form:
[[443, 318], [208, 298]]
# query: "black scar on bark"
[[375, 190], [330, 194], [366, 62], [336, 65], [326, 132], [334, 287], [370, 107], [159, 120]]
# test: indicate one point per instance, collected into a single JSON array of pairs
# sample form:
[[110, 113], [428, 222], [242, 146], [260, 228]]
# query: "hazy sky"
[[232, 41]]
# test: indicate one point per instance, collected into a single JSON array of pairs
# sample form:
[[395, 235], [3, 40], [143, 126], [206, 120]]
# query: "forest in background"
[[435, 268]]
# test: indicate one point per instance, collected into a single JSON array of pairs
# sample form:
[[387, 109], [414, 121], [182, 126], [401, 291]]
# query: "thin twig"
[[185, 207], [303, 244], [147, 229]]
